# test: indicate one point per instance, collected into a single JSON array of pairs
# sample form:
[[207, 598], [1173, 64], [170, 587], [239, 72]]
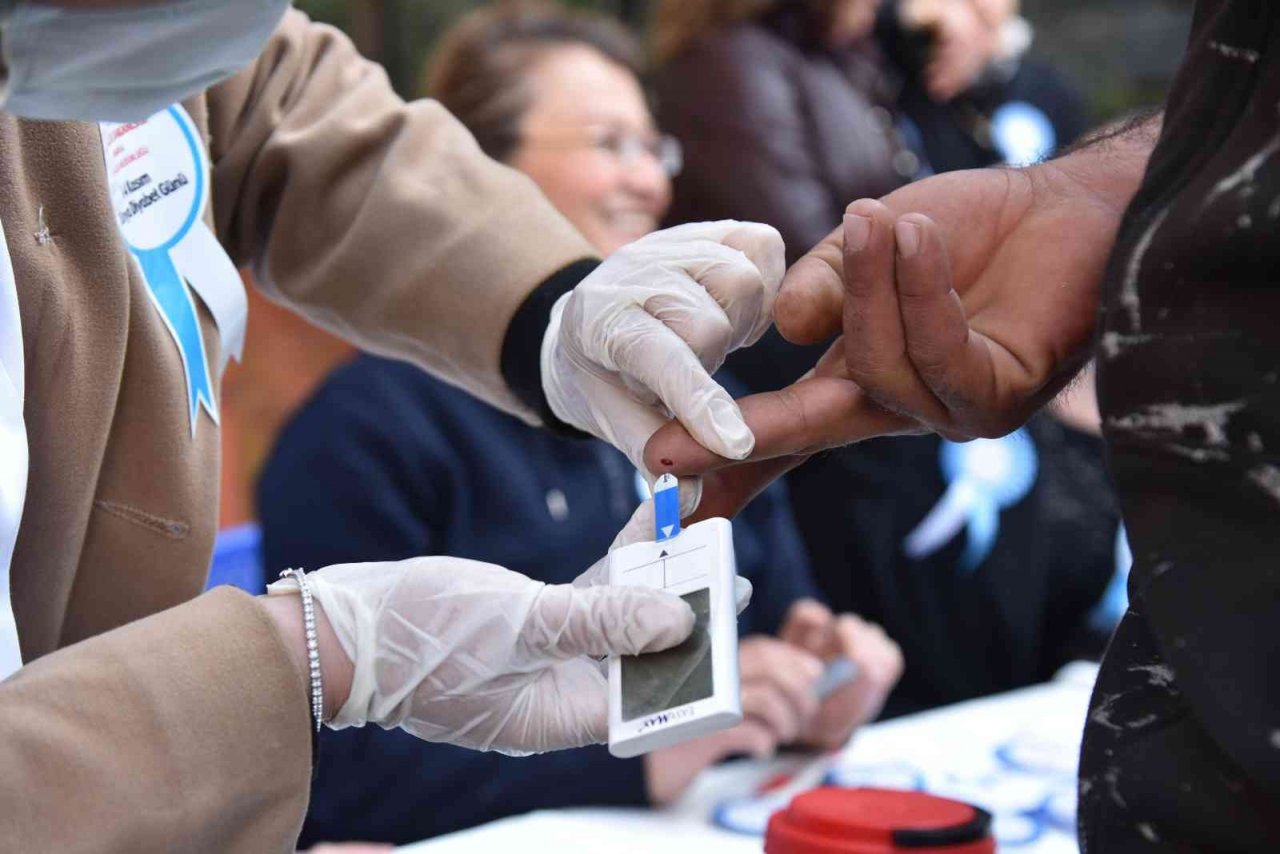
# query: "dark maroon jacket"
[[778, 129]]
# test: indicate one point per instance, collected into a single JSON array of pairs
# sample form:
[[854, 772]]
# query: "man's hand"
[[811, 626], [964, 42], [966, 302]]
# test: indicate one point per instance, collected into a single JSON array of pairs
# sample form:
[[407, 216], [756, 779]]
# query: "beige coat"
[[141, 723]]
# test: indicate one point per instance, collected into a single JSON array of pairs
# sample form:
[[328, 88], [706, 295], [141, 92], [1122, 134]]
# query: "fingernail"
[[733, 431], [908, 234], [690, 495], [857, 231]]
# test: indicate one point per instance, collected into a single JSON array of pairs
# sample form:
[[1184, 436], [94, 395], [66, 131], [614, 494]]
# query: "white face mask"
[[124, 64]]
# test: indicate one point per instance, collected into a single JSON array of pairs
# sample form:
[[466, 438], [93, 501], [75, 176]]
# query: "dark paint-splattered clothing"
[[1182, 751]]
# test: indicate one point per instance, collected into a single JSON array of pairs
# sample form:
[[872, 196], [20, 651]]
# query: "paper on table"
[[618, 831], [959, 746]]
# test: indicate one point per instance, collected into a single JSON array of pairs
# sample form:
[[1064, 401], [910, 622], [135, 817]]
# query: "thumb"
[[568, 621], [742, 590], [810, 304]]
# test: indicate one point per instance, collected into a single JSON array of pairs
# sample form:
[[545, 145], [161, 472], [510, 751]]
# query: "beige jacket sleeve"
[[377, 219], [187, 731]]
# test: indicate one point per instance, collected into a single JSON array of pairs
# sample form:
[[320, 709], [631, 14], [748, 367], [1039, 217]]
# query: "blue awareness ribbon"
[[983, 477], [1022, 133], [171, 296]]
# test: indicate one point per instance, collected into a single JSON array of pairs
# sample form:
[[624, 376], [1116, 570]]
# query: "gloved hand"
[[473, 654], [636, 341]]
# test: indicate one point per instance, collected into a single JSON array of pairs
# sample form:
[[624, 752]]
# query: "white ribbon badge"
[[983, 477], [158, 176]]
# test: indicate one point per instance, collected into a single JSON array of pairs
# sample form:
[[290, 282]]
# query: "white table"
[[1014, 754]]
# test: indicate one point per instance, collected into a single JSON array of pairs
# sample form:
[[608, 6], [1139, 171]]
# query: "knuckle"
[[711, 335]]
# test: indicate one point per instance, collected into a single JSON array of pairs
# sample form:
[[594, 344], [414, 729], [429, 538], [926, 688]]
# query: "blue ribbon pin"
[[983, 476], [1022, 133]]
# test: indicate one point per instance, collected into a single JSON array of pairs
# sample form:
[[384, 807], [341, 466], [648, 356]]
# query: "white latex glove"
[[636, 341], [473, 654]]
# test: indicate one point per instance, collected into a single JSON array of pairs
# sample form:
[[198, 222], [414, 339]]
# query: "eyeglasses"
[[626, 146]]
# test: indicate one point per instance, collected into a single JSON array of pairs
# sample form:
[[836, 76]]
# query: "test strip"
[[666, 507]]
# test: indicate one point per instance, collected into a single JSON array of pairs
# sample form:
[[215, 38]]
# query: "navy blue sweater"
[[386, 463]]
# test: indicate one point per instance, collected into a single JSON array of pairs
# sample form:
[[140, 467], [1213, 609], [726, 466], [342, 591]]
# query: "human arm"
[[384, 461], [202, 699], [986, 320], [383, 222], [210, 698], [378, 219]]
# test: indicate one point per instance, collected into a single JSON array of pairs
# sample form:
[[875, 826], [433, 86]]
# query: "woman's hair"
[[480, 68], [678, 22]]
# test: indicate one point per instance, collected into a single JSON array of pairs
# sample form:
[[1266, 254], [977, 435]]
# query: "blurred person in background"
[[783, 108], [385, 461], [992, 563], [970, 96]]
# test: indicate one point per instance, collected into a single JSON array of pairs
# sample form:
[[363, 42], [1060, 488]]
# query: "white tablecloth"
[[1014, 754]]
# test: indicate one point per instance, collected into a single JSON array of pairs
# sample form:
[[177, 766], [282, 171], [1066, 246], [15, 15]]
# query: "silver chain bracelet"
[[313, 645]]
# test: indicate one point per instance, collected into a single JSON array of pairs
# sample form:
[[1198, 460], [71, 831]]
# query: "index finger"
[[810, 303], [808, 416]]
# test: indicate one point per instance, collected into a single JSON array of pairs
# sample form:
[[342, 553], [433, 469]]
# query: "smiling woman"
[[557, 95]]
